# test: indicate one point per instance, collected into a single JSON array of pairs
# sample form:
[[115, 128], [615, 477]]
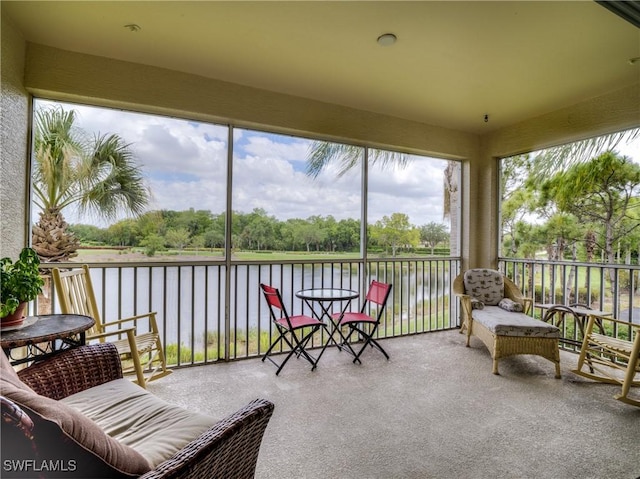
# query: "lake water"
[[196, 294]]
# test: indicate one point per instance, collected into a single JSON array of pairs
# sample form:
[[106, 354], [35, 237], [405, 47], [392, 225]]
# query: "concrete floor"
[[434, 410]]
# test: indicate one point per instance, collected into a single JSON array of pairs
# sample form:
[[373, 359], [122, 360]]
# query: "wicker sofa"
[[505, 333], [73, 415]]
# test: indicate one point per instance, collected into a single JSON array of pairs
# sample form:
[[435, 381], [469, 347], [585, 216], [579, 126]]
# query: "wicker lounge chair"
[[504, 333]]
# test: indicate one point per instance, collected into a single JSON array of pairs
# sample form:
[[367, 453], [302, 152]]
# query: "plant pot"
[[14, 319]]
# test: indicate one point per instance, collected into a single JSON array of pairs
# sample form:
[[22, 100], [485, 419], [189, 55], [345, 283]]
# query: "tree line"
[[156, 231], [589, 211]]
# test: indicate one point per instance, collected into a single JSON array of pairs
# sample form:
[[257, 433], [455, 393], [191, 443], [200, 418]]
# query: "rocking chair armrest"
[[228, 449], [151, 315], [73, 370], [594, 319], [107, 334]]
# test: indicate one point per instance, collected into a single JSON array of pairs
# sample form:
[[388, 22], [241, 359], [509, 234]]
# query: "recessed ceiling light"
[[133, 27], [387, 39]]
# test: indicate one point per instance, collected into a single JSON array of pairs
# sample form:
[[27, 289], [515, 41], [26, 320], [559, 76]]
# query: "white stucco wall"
[[14, 121]]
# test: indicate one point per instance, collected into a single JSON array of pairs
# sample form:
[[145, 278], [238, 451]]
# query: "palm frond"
[[112, 182], [346, 157], [552, 160]]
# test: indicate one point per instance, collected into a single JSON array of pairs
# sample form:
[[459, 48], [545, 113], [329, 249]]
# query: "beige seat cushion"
[[139, 419], [506, 323]]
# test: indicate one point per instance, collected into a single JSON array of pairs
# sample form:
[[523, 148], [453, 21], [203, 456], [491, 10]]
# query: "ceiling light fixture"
[[387, 39], [133, 27]]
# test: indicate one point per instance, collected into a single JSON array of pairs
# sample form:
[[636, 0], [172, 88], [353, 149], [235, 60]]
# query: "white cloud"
[[263, 147], [272, 183], [631, 149], [185, 164]]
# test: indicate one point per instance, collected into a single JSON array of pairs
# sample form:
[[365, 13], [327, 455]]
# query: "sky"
[[184, 165], [632, 150]]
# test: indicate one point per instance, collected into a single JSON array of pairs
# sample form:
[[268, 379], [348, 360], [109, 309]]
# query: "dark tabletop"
[[47, 327]]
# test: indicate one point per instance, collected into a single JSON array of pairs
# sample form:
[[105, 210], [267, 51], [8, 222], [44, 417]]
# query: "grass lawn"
[[137, 254]]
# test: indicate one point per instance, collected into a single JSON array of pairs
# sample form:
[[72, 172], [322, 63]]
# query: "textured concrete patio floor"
[[433, 411]]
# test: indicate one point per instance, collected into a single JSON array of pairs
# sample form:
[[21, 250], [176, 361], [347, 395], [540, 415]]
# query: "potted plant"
[[20, 282]]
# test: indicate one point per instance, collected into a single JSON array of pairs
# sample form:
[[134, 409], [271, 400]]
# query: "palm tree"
[[98, 175], [451, 180]]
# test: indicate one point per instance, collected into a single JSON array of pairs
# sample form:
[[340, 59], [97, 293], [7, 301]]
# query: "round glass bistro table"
[[321, 302]]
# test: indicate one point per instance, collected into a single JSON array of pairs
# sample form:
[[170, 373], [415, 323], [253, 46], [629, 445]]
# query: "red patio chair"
[[364, 324], [291, 329]]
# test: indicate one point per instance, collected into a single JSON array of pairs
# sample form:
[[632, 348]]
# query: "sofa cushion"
[[139, 419], [9, 373], [476, 304], [510, 305], [505, 323], [79, 428], [485, 285]]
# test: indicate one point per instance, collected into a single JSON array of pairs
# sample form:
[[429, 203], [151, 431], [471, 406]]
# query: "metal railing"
[[211, 311], [614, 289]]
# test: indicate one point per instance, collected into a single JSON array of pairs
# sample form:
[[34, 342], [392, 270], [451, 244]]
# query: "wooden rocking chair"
[[611, 360], [141, 353]]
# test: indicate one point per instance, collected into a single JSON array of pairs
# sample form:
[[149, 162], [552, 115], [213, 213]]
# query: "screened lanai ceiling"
[[452, 63]]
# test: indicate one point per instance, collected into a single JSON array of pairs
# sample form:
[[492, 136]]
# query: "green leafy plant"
[[20, 281]]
